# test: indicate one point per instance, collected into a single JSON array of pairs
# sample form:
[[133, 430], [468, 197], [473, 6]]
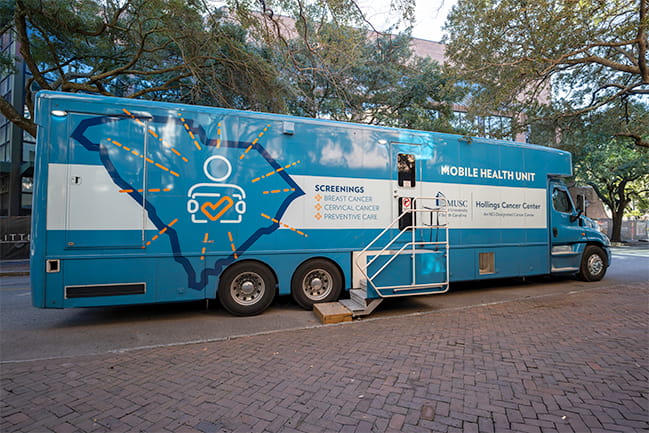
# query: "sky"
[[429, 16]]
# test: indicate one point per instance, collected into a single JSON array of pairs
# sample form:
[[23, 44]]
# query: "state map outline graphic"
[[79, 134]]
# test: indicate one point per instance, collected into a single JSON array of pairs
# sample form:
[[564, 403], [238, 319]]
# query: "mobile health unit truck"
[[143, 202]]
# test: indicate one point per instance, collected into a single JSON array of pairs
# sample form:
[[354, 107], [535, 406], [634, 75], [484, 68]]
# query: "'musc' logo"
[[453, 203]]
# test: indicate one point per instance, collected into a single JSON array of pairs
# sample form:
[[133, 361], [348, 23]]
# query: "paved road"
[[27, 333], [565, 362], [550, 355]]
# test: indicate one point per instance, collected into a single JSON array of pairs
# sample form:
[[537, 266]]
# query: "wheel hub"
[[595, 264], [247, 288], [317, 284]]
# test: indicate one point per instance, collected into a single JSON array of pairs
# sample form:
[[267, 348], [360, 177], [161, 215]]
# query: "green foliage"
[[172, 50], [266, 18], [342, 74], [7, 62], [600, 151], [332, 65], [7, 9], [590, 52], [617, 169], [320, 61], [640, 193]]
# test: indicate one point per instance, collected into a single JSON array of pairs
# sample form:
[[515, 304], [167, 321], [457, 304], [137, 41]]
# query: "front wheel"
[[247, 288], [315, 281], [593, 264]]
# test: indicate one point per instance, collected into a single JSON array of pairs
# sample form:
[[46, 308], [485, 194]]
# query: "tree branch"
[[25, 50], [161, 87], [642, 41], [637, 139], [10, 112]]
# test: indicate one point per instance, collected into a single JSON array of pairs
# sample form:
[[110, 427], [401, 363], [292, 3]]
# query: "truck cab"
[[577, 245]]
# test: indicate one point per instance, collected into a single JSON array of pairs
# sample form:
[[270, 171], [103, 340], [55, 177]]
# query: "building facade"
[[16, 146]]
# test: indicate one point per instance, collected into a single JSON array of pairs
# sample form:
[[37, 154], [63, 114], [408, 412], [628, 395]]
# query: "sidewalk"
[[14, 268], [633, 244], [559, 363]]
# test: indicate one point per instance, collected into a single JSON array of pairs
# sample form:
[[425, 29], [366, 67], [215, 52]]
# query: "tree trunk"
[[616, 232]]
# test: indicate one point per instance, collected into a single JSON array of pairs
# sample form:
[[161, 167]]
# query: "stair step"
[[359, 296], [361, 309], [352, 305]]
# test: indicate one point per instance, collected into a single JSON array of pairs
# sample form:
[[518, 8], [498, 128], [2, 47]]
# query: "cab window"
[[561, 201]]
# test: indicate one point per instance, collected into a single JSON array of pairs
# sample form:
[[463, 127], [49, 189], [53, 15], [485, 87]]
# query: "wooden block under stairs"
[[332, 312]]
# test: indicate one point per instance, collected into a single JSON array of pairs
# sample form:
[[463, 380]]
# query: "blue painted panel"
[[52, 295], [463, 263], [512, 261], [171, 283], [430, 268], [398, 271], [163, 282]]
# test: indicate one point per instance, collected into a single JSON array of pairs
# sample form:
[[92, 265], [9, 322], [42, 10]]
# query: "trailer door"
[[406, 183], [105, 182], [407, 261]]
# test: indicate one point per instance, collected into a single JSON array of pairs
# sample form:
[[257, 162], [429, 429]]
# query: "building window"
[[27, 192], [489, 126], [460, 121]]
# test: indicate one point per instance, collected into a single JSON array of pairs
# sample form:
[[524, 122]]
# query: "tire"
[[247, 288], [315, 281], [593, 264]]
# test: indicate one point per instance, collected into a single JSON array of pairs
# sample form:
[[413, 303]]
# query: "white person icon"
[[216, 202]]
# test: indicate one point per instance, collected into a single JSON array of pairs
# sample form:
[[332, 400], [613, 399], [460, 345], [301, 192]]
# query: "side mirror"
[[574, 218], [581, 203]]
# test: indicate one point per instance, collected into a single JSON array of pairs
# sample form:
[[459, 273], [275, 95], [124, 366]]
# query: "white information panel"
[[333, 203]]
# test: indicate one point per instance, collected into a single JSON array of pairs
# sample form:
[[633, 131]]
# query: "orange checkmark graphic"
[[212, 211]]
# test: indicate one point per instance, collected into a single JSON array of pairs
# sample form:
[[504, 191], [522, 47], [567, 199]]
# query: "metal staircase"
[[386, 272]]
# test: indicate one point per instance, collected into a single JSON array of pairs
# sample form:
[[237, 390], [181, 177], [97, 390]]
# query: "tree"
[[590, 53], [640, 196], [157, 49], [613, 165], [336, 65], [322, 60], [372, 79]]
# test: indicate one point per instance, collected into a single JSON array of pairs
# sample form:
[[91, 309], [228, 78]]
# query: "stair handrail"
[[413, 210], [396, 220]]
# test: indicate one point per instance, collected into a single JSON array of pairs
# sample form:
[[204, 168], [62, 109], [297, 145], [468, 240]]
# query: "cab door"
[[565, 230]]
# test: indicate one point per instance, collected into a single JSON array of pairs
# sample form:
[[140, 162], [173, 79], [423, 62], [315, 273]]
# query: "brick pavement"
[[564, 363]]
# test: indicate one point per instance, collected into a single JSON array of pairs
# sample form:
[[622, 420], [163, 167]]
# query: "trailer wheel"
[[593, 264], [247, 288], [314, 281]]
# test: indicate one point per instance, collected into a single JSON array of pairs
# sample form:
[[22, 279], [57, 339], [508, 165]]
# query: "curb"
[[14, 268], [15, 274]]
